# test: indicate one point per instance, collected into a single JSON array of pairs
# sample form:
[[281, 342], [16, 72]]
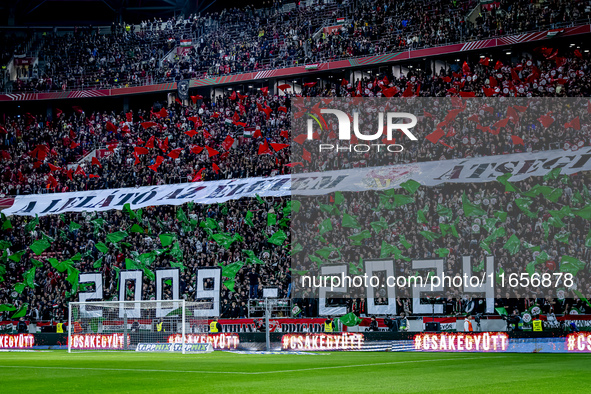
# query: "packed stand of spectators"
[[48, 299], [174, 145], [242, 40], [544, 239], [548, 74]]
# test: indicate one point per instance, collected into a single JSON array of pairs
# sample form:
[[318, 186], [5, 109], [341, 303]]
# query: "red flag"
[[498, 64], [299, 163], [137, 159], [284, 134], [196, 149], [578, 54], [111, 127], [473, 118], [488, 92], [93, 176], [241, 124], [284, 87], [215, 115], [435, 136], [154, 167], [278, 147], [77, 109], [515, 77], [175, 153], [52, 167], [282, 109], [257, 134], [264, 149], [163, 113], [211, 152], [215, 167], [74, 145], [36, 165], [80, 171], [512, 114], [520, 108], [228, 142], [484, 129], [575, 124], [178, 100], [306, 155], [517, 140], [129, 116], [501, 123], [5, 155], [146, 125], [163, 145], [58, 112], [138, 150], [467, 94], [310, 84], [465, 68], [197, 176], [69, 174], [265, 90], [51, 182], [111, 147], [484, 61], [96, 162], [150, 143], [391, 92], [191, 133], [344, 82], [546, 120], [300, 139]]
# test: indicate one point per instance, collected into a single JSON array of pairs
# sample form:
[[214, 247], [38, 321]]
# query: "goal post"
[[155, 325]]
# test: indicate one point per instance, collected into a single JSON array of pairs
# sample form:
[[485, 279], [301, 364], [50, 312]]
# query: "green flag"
[[512, 245], [338, 198], [136, 228], [325, 226], [379, 225], [37, 263], [554, 174], [166, 239], [479, 267], [73, 277], [149, 274], [19, 287], [22, 311], [388, 250], [101, 247], [32, 224], [60, 266], [411, 186], [585, 213], [271, 219], [297, 248], [230, 285], [278, 238], [504, 180], [225, 240], [562, 237], [40, 246], [501, 311], [571, 265], [357, 238], [7, 308], [181, 216], [248, 218], [251, 257], [295, 206], [554, 195], [431, 236], [421, 218], [98, 264], [230, 270], [523, 204], [17, 256], [209, 223], [117, 236], [444, 211], [442, 252], [350, 320], [350, 221], [404, 242], [6, 225], [448, 229], [74, 226], [326, 251], [581, 297], [471, 209], [29, 278]]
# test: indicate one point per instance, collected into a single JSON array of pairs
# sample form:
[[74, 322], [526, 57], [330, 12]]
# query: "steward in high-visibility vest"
[[214, 326], [60, 328], [159, 327], [537, 325], [328, 325]]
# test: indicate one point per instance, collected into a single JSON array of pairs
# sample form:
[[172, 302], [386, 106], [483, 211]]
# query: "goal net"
[[123, 325]]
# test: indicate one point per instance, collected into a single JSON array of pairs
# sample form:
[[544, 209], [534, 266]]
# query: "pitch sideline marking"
[[246, 373]]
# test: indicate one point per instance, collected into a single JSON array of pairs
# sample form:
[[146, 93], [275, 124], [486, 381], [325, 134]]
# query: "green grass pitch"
[[221, 372]]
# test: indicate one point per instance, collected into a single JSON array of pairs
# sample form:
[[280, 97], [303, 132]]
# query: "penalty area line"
[[245, 373]]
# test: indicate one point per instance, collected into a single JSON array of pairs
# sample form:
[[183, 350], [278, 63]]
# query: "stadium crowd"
[[242, 40], [40, 153]]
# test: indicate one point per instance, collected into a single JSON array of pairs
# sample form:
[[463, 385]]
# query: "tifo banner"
[[174, 347], [99, 341], [218, 341], [473, 170], [322, 342]]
